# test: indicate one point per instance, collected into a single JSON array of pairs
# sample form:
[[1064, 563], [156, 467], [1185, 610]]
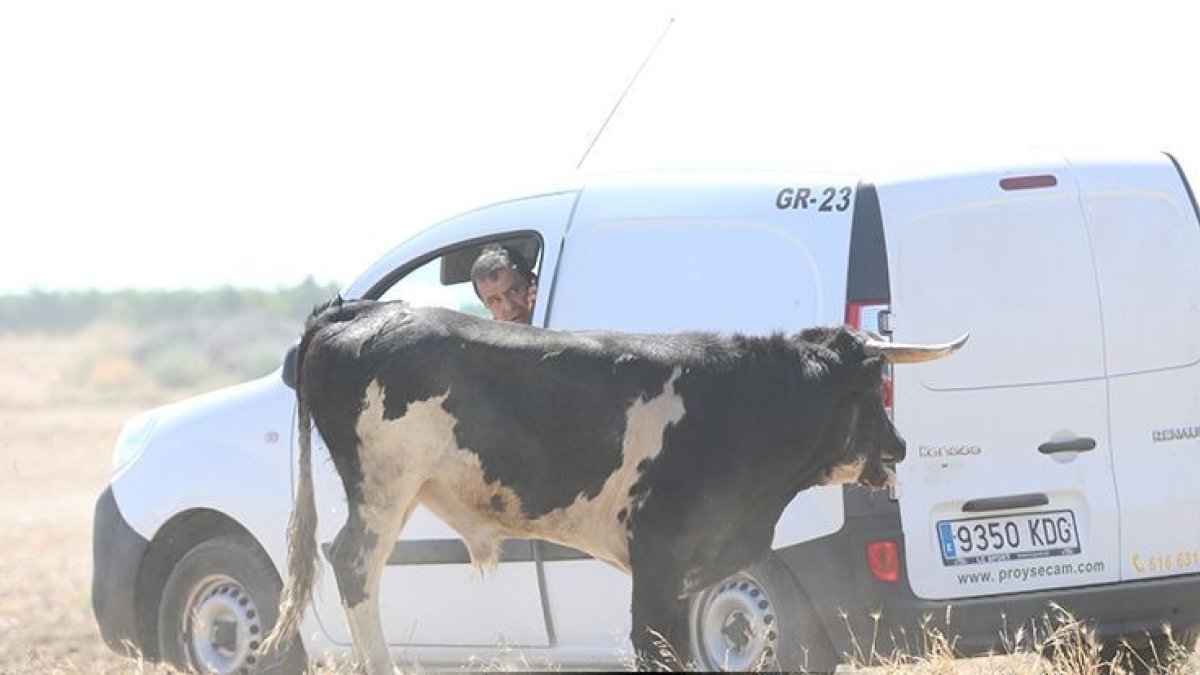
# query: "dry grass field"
[[62, 402], [55, 448]]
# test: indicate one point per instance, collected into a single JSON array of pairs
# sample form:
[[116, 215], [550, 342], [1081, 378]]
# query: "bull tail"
[[302, 527]]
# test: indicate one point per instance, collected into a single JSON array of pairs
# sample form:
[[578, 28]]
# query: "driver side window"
[[445, 280], [423, 287]]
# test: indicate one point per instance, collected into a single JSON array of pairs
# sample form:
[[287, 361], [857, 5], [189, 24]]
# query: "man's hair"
[[495, 258]]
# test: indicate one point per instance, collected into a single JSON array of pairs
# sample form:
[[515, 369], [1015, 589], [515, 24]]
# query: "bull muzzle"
[[880, 473], [895, 453], [896, 352]]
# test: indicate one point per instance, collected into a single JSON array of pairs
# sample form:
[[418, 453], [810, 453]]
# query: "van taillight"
[[873, 317], [883, 557]]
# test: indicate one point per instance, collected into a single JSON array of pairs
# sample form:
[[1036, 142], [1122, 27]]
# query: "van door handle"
[[1006, 502], [1073, 445]]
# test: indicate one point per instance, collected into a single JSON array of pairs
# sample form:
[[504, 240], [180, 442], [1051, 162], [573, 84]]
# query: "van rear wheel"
[[758, 619]]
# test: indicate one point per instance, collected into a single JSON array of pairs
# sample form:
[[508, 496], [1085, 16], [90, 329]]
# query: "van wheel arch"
[[218, 606], [172, 541]]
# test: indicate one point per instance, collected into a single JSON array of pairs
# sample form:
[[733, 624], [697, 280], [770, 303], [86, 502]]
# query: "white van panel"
[[710, 281], [705, 255], [997, 270], [1156, 459], [598, 616], [1147, 246]]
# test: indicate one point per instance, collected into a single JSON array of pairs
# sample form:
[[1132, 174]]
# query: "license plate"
[[999, 538]]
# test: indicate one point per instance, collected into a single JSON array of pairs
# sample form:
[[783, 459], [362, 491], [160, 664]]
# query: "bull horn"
[[895, 352]]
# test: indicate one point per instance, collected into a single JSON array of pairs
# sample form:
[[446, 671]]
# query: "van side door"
[[433, 602]]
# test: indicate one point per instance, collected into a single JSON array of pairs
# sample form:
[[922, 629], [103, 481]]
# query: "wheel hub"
[[224, 635], [737, 631], [223, 630], [735, 626]]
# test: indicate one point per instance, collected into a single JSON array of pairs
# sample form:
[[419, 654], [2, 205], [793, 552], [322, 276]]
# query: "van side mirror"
[[289, 366]]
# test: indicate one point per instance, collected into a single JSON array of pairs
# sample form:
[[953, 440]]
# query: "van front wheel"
[[218, 604], [758, 619]]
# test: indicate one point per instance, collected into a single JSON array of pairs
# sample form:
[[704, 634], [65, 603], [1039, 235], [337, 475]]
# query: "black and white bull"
[[670, 457]]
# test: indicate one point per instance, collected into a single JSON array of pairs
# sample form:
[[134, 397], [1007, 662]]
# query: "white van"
[[1054, 460]]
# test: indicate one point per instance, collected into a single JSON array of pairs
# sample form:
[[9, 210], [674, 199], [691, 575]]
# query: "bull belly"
[[483, 528]]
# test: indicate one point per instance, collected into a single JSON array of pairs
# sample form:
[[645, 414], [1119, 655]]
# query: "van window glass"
[[423, 287], [445, 281]]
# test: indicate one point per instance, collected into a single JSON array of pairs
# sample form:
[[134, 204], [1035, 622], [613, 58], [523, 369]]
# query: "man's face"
[[507, 296]]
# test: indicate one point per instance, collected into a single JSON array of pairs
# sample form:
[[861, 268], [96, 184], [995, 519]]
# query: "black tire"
[[218, 604], [758, 619]]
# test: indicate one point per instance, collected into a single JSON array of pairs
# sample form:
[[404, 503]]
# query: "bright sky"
[[168, 144]]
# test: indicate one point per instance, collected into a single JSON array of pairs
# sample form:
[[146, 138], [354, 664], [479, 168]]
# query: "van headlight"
[[133, 439]]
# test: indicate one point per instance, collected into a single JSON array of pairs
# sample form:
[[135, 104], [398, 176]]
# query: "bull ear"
[[894, 352]]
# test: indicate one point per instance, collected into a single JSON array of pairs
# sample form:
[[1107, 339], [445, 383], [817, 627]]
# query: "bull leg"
[[359, 554], [659, 634]]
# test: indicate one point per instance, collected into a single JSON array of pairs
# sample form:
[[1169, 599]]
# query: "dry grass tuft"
[[1059, 644]]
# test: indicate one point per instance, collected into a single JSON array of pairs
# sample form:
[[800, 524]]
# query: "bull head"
[[864, 437]]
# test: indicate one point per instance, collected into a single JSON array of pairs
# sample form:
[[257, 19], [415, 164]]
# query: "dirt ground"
[[55, 456]]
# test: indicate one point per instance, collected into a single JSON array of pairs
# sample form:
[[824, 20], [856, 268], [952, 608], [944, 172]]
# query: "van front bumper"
[[116, 557]]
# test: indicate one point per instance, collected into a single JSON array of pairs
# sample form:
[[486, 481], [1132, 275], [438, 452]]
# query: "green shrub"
[[172, 340], [178, 366], [68, 311]]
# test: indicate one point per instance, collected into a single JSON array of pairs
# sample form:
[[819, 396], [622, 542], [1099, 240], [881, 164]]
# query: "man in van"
[[506, 284]]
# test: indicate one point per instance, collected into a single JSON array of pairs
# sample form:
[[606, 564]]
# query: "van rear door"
[[1146, 240], [1008, 482]]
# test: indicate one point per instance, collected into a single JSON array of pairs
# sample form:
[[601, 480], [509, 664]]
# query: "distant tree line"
[[68, 311], [180, 340]]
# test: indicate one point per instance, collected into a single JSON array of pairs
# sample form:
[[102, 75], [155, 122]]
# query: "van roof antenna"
[[628, 86]]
